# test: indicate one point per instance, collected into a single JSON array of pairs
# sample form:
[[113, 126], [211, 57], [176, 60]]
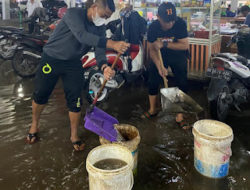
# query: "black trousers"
[[49, 71], [179, 69]]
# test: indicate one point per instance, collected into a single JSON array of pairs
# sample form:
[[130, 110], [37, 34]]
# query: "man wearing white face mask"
[[79, 31]]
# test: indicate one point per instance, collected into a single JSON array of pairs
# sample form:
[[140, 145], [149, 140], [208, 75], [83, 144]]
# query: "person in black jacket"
[[129, 29], [79, 30]]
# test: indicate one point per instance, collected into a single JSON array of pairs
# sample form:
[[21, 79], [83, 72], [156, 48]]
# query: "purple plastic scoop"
[[101, 123]]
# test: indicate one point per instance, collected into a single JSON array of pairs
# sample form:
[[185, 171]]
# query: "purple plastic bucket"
[[101, 123]]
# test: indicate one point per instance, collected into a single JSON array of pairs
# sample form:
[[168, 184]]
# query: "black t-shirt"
[[178, 31]]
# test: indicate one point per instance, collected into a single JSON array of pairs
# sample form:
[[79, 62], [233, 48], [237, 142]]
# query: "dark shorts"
[[48, 73], [179, 69]]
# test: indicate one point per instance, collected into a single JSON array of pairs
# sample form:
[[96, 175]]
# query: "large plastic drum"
[[212, 148]]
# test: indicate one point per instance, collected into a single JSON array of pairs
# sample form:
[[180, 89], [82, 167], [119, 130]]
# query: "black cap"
[[111, 5], [167, 12]]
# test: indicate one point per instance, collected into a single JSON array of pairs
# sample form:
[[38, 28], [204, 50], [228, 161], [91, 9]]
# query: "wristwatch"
[[165, 44]]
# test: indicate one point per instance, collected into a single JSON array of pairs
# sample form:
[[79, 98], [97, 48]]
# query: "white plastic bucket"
[[212, 148], [118, 179], [133, 135]]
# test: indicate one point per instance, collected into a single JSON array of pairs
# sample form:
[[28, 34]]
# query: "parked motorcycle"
[[7, 45], [129, 66], [28, 54], [52, 8], [24, 49], [39, 21], [230, 78]]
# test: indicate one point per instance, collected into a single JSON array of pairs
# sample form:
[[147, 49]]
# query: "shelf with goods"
[[235, 9], [204, 40], [203, 23], [239, 3]]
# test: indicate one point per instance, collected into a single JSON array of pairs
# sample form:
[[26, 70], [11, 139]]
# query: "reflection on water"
[[165, 152]]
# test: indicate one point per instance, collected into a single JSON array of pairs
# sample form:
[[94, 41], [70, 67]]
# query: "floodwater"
[[110, 164], [165, 151]]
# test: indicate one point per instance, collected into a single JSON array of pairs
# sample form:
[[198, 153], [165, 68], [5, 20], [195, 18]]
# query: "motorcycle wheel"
[[94, 84], [25, 65], [219, 107]]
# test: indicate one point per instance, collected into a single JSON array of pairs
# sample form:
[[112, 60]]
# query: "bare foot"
[[77, 144], [32, 138], [179, 117], [180, 121]]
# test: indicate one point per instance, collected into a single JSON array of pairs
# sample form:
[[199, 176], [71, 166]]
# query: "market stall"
[[203, 23]]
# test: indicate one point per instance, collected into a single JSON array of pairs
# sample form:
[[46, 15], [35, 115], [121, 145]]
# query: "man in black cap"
[[169, 35], [78, 31]]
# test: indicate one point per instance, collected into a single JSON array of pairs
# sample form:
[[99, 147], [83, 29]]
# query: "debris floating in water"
[[110, 164]]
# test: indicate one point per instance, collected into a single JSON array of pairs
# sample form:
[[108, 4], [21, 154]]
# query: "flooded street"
[[165, 152]]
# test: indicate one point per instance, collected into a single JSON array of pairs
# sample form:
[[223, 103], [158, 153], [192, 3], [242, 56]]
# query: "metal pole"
[[68, 3], [73, 3], [210, 29], [20, 19], [6, 9]]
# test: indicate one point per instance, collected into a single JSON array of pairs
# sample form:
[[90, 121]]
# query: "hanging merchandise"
[[207, 3], [199, 3]]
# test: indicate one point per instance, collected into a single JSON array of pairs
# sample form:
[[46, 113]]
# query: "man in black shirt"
[[169, 35], [78, 31]]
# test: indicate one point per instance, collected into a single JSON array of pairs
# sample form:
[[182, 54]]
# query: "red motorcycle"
[[128, 68]]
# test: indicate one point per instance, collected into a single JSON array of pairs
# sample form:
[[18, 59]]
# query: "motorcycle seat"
[[43, 38], [10, 30], [134, 50], [233, 57]]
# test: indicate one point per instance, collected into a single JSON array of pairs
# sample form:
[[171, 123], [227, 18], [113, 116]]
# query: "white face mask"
[[97, 20]]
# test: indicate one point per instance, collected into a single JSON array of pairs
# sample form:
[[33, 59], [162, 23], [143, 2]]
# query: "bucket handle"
[[229, 153], [131, 180]]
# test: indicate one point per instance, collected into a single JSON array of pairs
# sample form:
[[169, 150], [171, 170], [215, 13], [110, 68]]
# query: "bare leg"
[[152, 107], [36, 113], [152, 104], [74, 123]]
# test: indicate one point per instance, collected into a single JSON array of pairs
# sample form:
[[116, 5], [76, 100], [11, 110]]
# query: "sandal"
[[31, 136], [148, 115], [78, 145]]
